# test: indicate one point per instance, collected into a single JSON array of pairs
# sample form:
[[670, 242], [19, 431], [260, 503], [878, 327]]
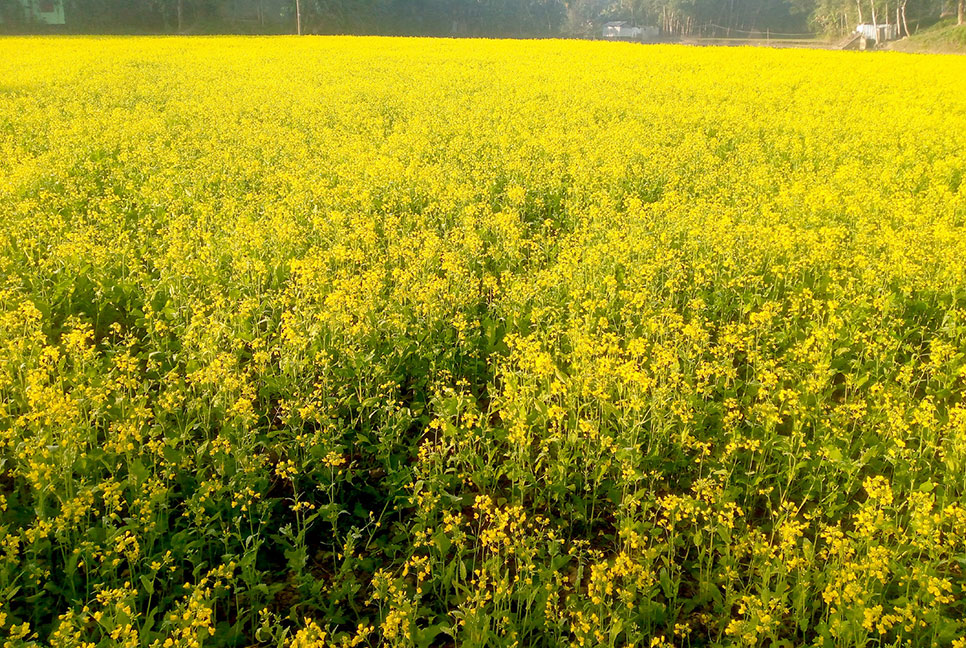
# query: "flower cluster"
[[403, 342]]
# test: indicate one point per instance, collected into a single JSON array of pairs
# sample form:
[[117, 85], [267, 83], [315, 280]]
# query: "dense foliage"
[[410, 342], [499, 18]]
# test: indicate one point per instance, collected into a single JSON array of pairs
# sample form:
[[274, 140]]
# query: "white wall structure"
[[623, 30], [886, 31]]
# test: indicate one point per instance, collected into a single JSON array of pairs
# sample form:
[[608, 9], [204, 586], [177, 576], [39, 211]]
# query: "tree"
[[494, 17]]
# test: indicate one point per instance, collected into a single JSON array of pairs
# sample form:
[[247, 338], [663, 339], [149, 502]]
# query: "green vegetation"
[[422, 343], [944, 37], [733, 19]]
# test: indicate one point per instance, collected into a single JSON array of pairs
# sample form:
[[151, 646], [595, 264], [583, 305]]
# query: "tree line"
[[493, 18]]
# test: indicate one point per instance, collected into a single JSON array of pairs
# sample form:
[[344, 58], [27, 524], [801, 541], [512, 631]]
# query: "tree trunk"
[[905, 23], [180, 16], [875, 23], [298, 17], [961, 13], [858, 3]]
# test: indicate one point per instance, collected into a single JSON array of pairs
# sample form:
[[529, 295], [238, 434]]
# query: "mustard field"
[[438, 343]]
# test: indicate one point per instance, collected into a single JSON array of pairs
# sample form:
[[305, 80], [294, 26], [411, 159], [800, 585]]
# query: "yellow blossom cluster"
[[332, 342]]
